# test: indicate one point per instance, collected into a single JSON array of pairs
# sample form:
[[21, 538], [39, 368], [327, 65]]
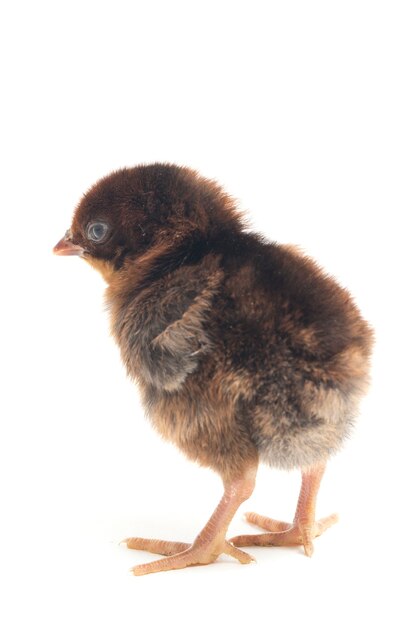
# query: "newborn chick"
[[243, 350]]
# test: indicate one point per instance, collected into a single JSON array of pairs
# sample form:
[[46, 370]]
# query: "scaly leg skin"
[[209, 544], [304, 527]]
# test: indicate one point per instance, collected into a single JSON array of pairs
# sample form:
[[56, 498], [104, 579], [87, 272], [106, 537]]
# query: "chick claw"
[[179, 555], [300, 532]]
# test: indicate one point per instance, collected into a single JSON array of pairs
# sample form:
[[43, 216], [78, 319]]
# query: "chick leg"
[[304, 527], [210, 543]]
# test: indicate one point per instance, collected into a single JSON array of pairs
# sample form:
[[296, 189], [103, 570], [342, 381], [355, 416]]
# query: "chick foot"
[[180, 555], [304, 528], [211, 541], [284, 534]]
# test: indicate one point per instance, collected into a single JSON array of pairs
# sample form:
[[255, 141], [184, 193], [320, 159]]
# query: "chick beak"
[[65, 247]]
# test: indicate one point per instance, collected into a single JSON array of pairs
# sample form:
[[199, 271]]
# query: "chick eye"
[[97, 231]]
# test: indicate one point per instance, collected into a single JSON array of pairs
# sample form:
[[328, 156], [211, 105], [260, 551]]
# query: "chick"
[[243, 350]]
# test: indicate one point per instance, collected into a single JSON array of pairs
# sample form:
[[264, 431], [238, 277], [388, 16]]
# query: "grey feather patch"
[[164, 334]]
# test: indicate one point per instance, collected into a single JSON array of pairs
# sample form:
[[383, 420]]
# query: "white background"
[[306, 112]]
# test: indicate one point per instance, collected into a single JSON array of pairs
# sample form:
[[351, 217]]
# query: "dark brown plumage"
[[244, 350]]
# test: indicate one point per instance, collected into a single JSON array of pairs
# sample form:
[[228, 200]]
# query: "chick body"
[[249, 351]]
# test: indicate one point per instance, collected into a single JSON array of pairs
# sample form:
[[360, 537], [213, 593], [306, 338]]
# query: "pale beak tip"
[[65, 247]]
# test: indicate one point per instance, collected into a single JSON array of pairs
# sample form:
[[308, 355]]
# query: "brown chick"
[[243, 350]]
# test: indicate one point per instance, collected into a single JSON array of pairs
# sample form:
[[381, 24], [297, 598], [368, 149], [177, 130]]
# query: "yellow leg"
[[210, 543], [304, 527]]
